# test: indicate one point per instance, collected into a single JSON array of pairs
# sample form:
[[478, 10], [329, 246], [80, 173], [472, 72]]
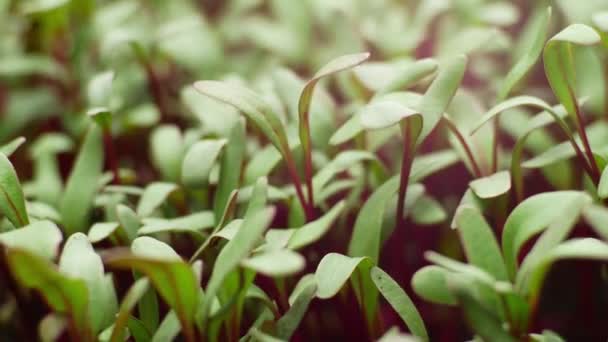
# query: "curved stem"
[[111, 155], [467, 149], [496, 128], [595, 172], [298, 185]]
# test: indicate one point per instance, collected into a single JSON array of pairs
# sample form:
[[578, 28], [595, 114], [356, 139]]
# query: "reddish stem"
[[467, 148], [308, 207], [496, 128], [595, 173]]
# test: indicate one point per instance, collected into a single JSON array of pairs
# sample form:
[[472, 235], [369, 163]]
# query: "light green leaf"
[[41, 238], [167, 150], [314, 230], [440, 92], [256, 221], [276, 263], [382, 114], [252, 106], [602, 188], [333, 272], [525, 63], [194, 223], [101, 231], [334, 66], [531, 217], [597, 216], [154, 195], [479, 242], [136, 291], [287, 324], [12, 203], [230, 167], [431, 283], [365, 240], [174, 279], [426, 211], [559, 64], [79, 260], [63, 294], [80, 190], [11, 146], [400, 301], [129, 221], [199, 160], [492, 186]]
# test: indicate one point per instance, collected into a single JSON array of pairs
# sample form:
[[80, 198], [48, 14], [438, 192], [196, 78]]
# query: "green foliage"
[[178, 171]]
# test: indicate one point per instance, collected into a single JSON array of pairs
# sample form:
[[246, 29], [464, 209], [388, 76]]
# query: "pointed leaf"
[[492, 186], [199, 160], [531, 217], [333, 272], [12, 203], [479, 242], [80, 190], [154, 195], [41, 238], [400, 302]]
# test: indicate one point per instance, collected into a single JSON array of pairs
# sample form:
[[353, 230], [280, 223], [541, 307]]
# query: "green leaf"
[[351, 128], [333, 272], [288, 323], [431, 283], [174, 279], [41, 238], [400, 301], [479, 242], [527, 61], [582, 248], [597, 216], [602, 188], [341, 162], [199, 160], [382, 114], [63, 294], [440, 92], [135, 293], [492, 186], [10, 147], [427, 211], [99, 90], [129, 221], [251, 105], [334, 66], [559, 64], [531, 217], [276, 263], [154, 195], [230, 168], [484, 322], [256, 220], [313, 231], [77, 200], [79, 260], [167, 150], [12, 203], [385, 77], [194, 223], [101, 231], [365, 240]]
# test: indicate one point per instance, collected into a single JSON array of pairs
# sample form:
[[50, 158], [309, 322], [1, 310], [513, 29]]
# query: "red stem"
[[496, 127], [595, 173], [298, 185], [467, 148]]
